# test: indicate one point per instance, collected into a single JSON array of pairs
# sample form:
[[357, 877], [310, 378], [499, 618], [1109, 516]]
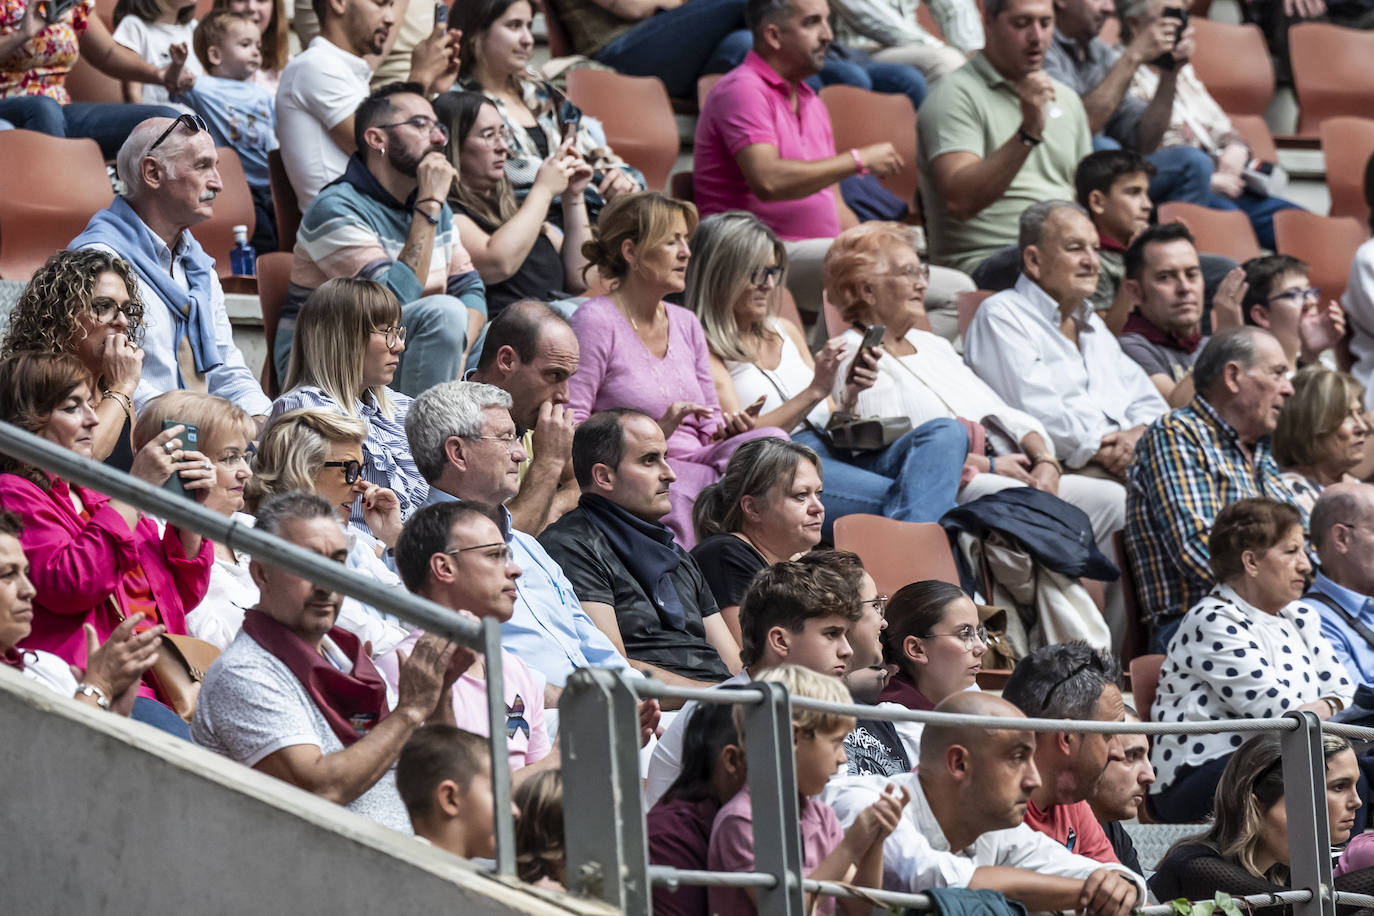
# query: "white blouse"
[[1230, 660], [50, 671], [791, 377]]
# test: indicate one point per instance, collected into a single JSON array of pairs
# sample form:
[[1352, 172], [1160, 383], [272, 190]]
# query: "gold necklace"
[[625, 309]]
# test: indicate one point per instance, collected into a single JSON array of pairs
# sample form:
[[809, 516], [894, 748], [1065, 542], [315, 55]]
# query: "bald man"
[[964, 826], [1343, 592]]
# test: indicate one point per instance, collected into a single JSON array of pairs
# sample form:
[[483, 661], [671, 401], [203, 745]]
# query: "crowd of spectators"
[[520, 383]]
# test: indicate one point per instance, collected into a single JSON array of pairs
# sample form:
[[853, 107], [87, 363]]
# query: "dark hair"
[[148, 11], [49, 314], [377, 107], [518, 326], [1253, 523], [458, 111], [427, 533], [35, 384], [433, 754], [789, 594], [279, 508], [1229, 345], [601, 440], [758, 13], [1134, 259], [1062, 681], [472, 18], [915, 610], [1100, 170], [709, 730], [1261, 274], [539, 841], [10, 524], [755, 468]]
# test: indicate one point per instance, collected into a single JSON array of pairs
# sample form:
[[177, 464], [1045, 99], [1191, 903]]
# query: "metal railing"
[[609, 857], [270, 550]]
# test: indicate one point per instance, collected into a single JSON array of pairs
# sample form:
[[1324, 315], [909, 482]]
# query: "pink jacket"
[[76, 565]]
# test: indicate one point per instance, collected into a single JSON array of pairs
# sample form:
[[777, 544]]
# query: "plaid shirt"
[[1188, 465]]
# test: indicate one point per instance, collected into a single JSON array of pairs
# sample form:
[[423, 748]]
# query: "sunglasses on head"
[[352, 469], [195, 122]]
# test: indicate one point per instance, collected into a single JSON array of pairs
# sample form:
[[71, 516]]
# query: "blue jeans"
[[108, 125], [1259, 208], [151, 712], [436, 331], [1183, 173], [675, 45], [912, 480]]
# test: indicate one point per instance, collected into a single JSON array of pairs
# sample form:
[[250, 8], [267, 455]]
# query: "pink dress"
[[618, 370]]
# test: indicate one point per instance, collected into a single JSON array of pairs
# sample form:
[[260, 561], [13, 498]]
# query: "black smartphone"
[[440, 14], [873, 336], [53, 10], [569, 118], [756, 408], [190, 442], [1166, 61]]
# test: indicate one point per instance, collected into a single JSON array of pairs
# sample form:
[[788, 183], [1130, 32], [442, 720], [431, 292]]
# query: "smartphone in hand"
[[873, 337], [756, 408], [190, 442]]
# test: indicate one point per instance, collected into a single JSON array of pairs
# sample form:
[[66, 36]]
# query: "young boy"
[[829, 852], [444, 778], [1281, 298], [240, 113], [1114, 187]]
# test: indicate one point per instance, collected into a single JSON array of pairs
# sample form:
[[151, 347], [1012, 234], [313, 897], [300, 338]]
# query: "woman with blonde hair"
[[320, 451], [1321, 433], [639, 351], [347, 345], [86, 303], [734, 284]]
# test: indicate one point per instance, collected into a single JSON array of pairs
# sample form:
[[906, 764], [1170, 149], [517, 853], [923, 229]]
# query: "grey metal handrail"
[[275, 552]]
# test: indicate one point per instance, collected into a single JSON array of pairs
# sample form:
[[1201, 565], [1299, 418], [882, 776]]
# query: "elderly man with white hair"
[[171, 176]]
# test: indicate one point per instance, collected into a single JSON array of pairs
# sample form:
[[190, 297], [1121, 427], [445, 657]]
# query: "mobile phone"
[[569, 118], [1166, 61], [873, 336], [756, 408], [190, 442], [440, 14], [53, 10]]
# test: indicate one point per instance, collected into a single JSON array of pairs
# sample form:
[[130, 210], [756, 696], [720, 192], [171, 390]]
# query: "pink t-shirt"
[[732, 849], [753, 104]]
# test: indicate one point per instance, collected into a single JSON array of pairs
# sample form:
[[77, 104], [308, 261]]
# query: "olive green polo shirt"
[[975, 110]]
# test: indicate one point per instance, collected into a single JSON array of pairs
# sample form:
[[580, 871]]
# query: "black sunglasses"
[[195, 122], [352, 469], [1093, 662]]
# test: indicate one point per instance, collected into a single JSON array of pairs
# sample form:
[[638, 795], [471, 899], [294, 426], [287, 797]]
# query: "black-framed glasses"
[[352, 469], [1093, 662], [966, 635], [105, 310], [421, 122], [395, 335], [195, 122], [503, 555], [1311, 294], [763, 276]]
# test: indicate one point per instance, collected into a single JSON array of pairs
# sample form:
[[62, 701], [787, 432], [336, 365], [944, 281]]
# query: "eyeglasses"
[[765, 276], [509, 440], [1311, 294], [106, 309], [195, 122], [352, 469], [499, 550], [967, 635], [494, 137], [911, 272], [233, 457], [1093, 662], [419, 122], [879, 604], [395, 335]]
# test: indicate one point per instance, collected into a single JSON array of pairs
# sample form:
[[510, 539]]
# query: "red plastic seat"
[[274, 276], [1223, 232], [1326, 243], [859, 117], [1327, 76], [285, 206], [1145, 683], [897, 553], [1233, 63], [47, 202], [637, 115], [1347, 144]]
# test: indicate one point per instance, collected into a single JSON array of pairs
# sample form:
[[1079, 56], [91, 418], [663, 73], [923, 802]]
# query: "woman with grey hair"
[[760, 359]]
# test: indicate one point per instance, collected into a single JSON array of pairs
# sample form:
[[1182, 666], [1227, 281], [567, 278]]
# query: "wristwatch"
[[1024, 136], [90, 690]]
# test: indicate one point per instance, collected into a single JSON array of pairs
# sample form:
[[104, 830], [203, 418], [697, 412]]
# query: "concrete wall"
[[100, 815]]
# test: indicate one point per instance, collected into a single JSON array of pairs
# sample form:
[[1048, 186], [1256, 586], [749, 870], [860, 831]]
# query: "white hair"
[[129, 163], [444, 411]]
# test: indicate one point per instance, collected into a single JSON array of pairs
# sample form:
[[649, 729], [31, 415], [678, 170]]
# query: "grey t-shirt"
[[1083, 69], [251, 705], [1158, 359]]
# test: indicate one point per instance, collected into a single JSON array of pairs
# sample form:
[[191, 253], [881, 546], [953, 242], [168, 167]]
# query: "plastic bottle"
[[242, 258]]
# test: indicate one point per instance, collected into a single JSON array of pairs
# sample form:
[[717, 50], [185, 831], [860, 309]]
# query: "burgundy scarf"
[[14, 658], [1136, 324], [352, 703], [901, 691]]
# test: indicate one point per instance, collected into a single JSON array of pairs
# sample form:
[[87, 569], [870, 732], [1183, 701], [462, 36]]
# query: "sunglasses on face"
[[352, 469]]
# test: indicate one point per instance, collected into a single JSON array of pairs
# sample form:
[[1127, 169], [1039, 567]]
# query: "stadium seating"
[[859, 117], [1254, 130], [967, 304], [1326, 243], [1233, 63], [87, 84], [704, 87], [637, 115], [1144, 682], [47, 204], [1326, 77], [896, 553], [274, 275], [285, 207], [1347, 144], [1223, 232]]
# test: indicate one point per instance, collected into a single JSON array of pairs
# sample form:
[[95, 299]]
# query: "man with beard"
[[387, 220]]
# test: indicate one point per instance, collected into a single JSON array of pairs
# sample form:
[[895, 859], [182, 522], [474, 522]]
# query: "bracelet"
[[859, 162], [992, 465], [433, 220], [123, 400], [90, 690], [1047, 459], [1024, 136]]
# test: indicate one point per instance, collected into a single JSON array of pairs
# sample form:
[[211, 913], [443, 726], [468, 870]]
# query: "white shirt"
[[319, 89], [930, 384], [791, 377], [666, 761], [917, 856], [1080, 393], [153, 41], [1359, 312], [51, 671]]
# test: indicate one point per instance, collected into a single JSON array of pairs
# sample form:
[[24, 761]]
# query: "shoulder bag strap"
[[1354, 622]]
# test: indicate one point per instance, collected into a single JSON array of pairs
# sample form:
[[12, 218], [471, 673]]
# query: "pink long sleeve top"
[[78, 564]]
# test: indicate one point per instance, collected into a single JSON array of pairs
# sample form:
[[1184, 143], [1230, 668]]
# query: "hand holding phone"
[[190, 442], [440, 14], [756, 408], [873, 337]]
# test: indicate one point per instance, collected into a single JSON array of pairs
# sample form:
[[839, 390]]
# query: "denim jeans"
[[1259, 208], [108, 125], [914, 479], [151, 712], [1182, 173], [436, 331], [675, 45]]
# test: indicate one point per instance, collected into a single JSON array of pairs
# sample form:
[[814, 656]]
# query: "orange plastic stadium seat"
[[637, 115], [859, 118], [285, 206], [1347, 144], [1145, 683], [274, 275], [1233, 63], [1254, 130], [967, 304], [1326, 243], [46, 205], [1326, 77], [1223, 232], [897, 553]]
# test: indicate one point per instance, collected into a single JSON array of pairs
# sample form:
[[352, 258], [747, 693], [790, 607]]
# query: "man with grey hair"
[[1070, 680], [1342, 531], [1043, 348], [171, 175], [1196, 460], [464, 442]]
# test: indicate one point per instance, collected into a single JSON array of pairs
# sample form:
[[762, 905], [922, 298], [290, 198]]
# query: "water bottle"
[[242, 258]]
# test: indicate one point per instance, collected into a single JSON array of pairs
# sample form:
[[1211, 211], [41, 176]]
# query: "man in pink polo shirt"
[[763, 144]]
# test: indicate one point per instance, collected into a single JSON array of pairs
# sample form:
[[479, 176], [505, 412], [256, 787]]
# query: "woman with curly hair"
[[85, 303]]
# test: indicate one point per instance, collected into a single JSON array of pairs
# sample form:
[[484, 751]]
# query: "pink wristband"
[[858, 161]]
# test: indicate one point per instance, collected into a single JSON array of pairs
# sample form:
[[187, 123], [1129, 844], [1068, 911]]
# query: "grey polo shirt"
[[1082, 69]]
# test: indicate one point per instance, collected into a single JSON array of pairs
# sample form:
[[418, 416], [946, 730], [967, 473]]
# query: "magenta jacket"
[[76, 565]]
